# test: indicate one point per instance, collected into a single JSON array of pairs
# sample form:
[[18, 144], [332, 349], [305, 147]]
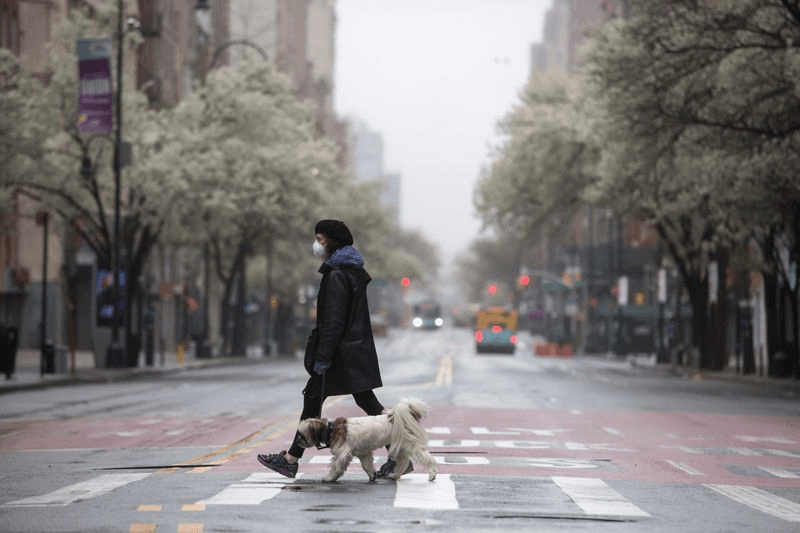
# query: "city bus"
[[427, 315], [496, 330]]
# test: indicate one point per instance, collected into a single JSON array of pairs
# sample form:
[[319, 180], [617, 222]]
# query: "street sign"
[[95, 93]]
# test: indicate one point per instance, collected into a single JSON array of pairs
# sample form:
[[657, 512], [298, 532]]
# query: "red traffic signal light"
[[492, 288], [405, 282], [524, 280]]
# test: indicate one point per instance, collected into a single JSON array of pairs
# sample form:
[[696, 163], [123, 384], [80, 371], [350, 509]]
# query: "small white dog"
[[398, 427]]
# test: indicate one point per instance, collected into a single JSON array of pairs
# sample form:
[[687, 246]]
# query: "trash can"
[[61, 365], [9, 338], [48, 357]]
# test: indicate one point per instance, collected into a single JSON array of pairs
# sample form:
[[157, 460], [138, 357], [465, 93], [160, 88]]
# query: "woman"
[[341, 347]]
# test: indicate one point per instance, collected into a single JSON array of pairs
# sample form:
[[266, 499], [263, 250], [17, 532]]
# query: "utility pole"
[[43, 219], [116, 352]]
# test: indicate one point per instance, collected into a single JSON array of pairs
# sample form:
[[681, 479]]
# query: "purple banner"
[[95, 93]]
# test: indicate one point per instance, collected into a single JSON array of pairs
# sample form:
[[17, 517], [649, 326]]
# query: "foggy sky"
[[434, 77]]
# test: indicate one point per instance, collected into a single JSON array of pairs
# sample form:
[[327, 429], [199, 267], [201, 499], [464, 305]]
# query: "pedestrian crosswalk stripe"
[[253, 490], [595, 497], [684, 467], [79, 491], [415, 491], [761, 500], [779, 472]]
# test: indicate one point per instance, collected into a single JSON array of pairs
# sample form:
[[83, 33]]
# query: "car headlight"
[[439, 322], [417, 322]]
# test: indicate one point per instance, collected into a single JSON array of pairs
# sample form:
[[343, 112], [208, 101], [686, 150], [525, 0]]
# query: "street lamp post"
[[116, 351], [202, 6]]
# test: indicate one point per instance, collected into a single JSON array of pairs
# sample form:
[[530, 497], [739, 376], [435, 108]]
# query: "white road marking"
[[684, 449], [454, 444], [442, 460], [745, 451], [576, 446], [612, 431], [79, 491], [253, 490], [557, 462], [457, 460], [750, 438], [541, 432], [783, 453], [439, 430], [485, 431], [415, 491], [597, 498], [686, 468], [779, 472], [761, 500], [522, 444]]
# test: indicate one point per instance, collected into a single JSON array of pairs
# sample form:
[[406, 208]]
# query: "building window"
[[3, 27], [9, 25], [13, 34]]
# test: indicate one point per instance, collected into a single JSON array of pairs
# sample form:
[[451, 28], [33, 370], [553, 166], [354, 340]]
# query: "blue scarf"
[[345, 256]]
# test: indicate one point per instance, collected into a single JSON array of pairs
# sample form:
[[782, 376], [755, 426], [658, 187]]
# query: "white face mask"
[[318, 250]]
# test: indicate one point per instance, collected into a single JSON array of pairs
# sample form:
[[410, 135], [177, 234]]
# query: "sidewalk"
[[27, 374], [728, 374]]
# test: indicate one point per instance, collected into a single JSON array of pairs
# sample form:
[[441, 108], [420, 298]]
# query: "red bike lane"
[[663, 447]]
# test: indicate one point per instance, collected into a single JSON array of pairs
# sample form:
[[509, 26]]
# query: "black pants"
[[312, 408]]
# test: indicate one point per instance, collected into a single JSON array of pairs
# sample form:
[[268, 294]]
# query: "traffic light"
[[492, 288], [640, 298], [524, 281], [405, 282]]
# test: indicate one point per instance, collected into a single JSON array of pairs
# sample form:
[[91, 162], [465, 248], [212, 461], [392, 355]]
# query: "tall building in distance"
[[366, 164], [566, 25]]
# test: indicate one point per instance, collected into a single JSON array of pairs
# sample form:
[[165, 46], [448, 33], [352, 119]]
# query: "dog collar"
[[326, 437]]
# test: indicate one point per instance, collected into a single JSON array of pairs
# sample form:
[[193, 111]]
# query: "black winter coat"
[[343, 334]]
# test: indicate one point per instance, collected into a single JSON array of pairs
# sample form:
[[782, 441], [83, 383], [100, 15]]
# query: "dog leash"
[[325, 441], [322, 394]]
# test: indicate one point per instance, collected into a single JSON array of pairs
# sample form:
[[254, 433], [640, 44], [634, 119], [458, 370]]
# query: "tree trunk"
[[698, 297], [719, 349], [771, 307], [239, 340], [226, 308]]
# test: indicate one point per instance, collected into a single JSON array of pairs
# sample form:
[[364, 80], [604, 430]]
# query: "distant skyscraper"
[[367, 152], [565, 27], [366, 164]]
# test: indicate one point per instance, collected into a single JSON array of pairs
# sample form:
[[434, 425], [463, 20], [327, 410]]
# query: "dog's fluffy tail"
[[406, 426]]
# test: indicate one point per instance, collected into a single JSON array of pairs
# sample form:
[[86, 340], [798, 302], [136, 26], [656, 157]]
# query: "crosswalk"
[[590, 496]]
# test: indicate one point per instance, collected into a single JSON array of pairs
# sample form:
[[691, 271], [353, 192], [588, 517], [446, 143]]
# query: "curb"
[[116, 375], [694, 374]]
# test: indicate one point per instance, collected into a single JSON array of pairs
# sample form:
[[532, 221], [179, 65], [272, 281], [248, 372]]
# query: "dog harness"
[[324, 442]]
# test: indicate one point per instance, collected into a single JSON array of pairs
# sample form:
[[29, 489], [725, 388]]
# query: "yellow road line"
[[444, 376], [193, 507], [149, 508]]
